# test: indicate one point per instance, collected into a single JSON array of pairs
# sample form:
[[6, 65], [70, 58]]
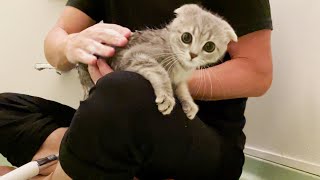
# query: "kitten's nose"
[[193, 55]]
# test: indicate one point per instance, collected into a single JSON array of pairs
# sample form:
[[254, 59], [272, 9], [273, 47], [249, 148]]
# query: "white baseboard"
[[284, 160]]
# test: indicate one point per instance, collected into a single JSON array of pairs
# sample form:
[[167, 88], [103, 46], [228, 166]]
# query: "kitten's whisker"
[[214, 76], [198, 83], [196, 93], [168, 65], [166, 62], [172, 66], [208, 75], [173, 61], [202, 81], [170, 51], [169, 58], [162, 54], [165, 54], [221, 60]]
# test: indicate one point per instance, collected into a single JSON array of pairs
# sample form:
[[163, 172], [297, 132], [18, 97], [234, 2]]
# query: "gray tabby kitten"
[[167, 57]]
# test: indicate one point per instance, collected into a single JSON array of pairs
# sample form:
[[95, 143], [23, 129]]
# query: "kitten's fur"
[[166, 61]]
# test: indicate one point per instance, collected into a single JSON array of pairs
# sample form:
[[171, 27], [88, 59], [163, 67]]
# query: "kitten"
[[167, 57]]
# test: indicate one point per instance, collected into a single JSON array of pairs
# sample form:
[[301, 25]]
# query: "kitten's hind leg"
[[85, 79], [150, 69]]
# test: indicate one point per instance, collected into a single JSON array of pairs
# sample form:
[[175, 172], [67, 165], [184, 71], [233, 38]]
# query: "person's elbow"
[[54, 45], [52, 48], [264, 84], [264, 79]]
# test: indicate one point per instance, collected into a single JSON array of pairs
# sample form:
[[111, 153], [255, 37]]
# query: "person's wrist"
[[66, 48], [66, 65], [63, 64]]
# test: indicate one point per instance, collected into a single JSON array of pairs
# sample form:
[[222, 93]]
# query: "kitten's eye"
[[186, 38], [209, 47]]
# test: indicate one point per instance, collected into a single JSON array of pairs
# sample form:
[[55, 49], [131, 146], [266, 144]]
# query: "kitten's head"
[[199, 37]]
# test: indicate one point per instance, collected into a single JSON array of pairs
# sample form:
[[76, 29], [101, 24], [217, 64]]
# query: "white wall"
[[284, 125], [23, 26]]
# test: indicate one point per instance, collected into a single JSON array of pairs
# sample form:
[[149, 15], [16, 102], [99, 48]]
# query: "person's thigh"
[[25, 124], [181, 151], [118, 133], [49, 147]]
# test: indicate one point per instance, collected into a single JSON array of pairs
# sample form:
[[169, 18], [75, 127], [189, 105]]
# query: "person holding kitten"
[[118, 132]]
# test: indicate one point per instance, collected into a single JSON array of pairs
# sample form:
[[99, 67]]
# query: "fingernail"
[[99, 62], [93, 62], [129, 33], [122, 41], [111, 52]]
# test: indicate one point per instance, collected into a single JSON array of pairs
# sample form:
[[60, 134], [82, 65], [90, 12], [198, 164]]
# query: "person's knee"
[[104, 120], [116, 96], [123, 87], [121, 79]]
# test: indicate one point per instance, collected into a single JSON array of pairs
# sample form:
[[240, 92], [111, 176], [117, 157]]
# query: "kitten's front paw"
[[165, 103], [190, 108]]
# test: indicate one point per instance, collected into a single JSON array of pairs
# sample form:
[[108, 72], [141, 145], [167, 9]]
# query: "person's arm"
[[71, 21], [247, 74], [75, 39]]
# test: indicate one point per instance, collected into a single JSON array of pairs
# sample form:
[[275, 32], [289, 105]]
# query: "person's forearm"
[[54, 46], [233, 79]]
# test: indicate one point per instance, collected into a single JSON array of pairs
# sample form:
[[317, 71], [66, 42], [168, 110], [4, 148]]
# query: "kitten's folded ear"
[[232, 35], [191, 9], [188, 9]]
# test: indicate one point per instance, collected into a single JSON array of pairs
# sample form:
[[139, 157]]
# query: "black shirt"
[[245, 16]]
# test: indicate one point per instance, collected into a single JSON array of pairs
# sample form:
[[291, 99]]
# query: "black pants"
[[26, 122], [118, 133]]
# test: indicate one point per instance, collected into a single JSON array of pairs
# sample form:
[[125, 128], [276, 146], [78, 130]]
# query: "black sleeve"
[[97, 9], [245, 16]]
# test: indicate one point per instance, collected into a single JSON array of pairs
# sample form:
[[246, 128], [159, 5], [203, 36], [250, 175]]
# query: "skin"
[[247, 74]]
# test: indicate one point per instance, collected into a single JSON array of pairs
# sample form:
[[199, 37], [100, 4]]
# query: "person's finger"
[[94, 72], [95, 48], [108, 36], [83, 57], [104, 68], [122, 30]]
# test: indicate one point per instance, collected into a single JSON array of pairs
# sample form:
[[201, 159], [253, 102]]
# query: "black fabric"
[[118, 133], [25, 123], [245, 16], [125, 135]]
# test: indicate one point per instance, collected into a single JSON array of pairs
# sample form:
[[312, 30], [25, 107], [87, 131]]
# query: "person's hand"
[[99, 69], [95, 41]]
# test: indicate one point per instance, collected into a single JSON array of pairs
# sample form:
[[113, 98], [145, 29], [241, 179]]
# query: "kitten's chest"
[[178, 75]]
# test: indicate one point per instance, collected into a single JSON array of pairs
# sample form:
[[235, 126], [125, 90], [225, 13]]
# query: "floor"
[[258, 169]]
